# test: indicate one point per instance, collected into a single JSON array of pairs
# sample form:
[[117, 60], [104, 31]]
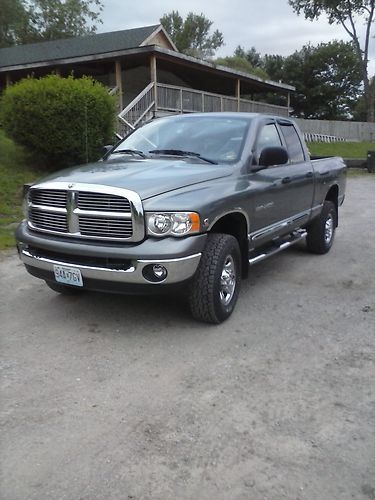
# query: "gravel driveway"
[[113, 397]]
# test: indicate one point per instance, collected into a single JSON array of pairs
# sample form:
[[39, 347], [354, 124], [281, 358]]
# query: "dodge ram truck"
[[188, 202]]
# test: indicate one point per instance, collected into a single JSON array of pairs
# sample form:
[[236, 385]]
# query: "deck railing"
[[184, 100], [137, 110], [171, 99]]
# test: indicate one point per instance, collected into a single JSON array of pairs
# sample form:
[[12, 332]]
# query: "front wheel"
[[321, 232], [214, 290]]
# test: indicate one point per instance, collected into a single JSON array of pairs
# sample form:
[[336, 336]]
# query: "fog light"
[[159, 271], [155, 273]]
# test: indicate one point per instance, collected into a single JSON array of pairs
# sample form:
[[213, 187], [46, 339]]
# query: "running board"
[[278, 247]]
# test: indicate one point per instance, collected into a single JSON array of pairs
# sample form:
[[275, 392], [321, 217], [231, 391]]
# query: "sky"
[[270, 26]]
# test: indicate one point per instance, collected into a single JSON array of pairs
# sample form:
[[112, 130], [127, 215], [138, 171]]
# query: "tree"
[[274, 67], [251, 55], [14, 22], [192, 35], [241, 64], [53, 19], [25, 21], [360, 110], [346, 13], [327, 78]]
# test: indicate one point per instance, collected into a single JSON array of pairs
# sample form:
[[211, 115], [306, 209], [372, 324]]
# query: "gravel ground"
[[115, 397]]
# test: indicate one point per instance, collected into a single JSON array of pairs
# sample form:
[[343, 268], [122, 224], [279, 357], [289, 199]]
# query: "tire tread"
[[202, 289], [315, 232]]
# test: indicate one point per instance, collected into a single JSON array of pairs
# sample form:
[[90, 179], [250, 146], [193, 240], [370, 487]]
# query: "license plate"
[[68, 275]]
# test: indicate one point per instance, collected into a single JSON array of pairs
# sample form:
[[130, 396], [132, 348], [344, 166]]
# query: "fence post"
[[154, 79], [118, 74], [238, 94]]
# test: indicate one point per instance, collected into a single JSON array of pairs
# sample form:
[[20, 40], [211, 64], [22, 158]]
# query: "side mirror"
[[106, 149], [273, 156]]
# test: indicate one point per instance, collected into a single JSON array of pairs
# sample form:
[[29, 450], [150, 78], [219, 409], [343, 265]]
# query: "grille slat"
[[102, 201], [94, 226], [105, 227], [48, 197], [48, 222]]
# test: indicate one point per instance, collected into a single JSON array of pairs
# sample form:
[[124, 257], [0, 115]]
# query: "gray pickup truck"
[[187, 202]]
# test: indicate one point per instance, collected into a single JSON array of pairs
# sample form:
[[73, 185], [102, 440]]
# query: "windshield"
[[219, 139]]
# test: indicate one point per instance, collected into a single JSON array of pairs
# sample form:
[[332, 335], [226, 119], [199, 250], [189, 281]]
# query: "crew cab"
[[188, 202]]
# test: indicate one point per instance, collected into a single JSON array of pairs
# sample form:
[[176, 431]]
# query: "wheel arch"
[[236, 224]]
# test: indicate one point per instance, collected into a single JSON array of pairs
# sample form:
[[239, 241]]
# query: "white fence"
[[340, 130]]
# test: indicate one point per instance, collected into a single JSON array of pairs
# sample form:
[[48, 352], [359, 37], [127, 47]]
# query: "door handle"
[[309, 174], [286, 180]]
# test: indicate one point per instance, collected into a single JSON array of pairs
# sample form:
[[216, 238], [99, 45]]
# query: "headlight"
[[172, 224]]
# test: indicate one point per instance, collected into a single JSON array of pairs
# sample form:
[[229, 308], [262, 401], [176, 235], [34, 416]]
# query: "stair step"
[[277, 246]]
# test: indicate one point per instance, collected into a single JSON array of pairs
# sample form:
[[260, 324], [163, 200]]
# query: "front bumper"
[[180, 258]]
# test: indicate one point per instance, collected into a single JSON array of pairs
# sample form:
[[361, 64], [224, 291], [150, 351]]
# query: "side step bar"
[[278, 246]]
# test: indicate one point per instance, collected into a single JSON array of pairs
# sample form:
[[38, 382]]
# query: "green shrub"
[[60, 121]]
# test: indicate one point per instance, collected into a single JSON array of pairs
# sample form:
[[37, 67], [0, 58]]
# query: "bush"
[[60, 121]]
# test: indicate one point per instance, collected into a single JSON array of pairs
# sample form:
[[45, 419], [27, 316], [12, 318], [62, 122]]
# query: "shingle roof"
[[75, 47]]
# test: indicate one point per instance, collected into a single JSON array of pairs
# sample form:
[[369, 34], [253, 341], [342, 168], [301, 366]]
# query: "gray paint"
[[217, 190]]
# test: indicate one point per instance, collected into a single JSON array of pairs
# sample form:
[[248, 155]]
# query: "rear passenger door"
[[281, 194], [299, 177]]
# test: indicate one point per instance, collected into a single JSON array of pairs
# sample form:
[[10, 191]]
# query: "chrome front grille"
[[86, 211]]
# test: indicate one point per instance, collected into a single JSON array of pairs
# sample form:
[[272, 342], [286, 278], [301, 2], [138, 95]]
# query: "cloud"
[[270, 26]]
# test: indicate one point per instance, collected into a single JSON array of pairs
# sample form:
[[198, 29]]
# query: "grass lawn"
[[14, 172], [355, 150]]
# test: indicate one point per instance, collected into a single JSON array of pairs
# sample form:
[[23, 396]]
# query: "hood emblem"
[[70, 186]]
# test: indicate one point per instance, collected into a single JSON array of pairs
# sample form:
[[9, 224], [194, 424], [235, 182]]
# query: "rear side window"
[[293, 143]]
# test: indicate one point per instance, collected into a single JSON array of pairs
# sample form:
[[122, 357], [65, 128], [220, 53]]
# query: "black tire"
[[214, 290], [63, 289], [321, 232]]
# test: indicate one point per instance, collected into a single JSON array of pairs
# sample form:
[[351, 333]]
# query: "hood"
[[148, 177]]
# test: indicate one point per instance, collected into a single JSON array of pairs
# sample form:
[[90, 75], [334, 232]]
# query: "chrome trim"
[[328, 229], [179, 269], [260, 233], [228, 280], [98, 213], [297, 236], [49, 209], [136, 213]]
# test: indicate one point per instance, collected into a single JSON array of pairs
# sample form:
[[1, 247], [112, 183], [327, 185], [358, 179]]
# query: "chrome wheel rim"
[[328, 230], [227, 280]]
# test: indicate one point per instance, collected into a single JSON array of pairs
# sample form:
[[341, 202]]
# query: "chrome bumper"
[[178, 270]]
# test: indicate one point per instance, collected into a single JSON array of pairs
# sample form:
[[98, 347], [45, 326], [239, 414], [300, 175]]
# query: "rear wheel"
[[63, 289], [214, 290], [321, 233]]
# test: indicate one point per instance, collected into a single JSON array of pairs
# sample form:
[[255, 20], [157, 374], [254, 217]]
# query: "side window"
[[293, 143], [268, 137]]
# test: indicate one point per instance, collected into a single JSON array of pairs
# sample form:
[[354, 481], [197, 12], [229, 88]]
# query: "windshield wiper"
[[179, 152], [134, 152]]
